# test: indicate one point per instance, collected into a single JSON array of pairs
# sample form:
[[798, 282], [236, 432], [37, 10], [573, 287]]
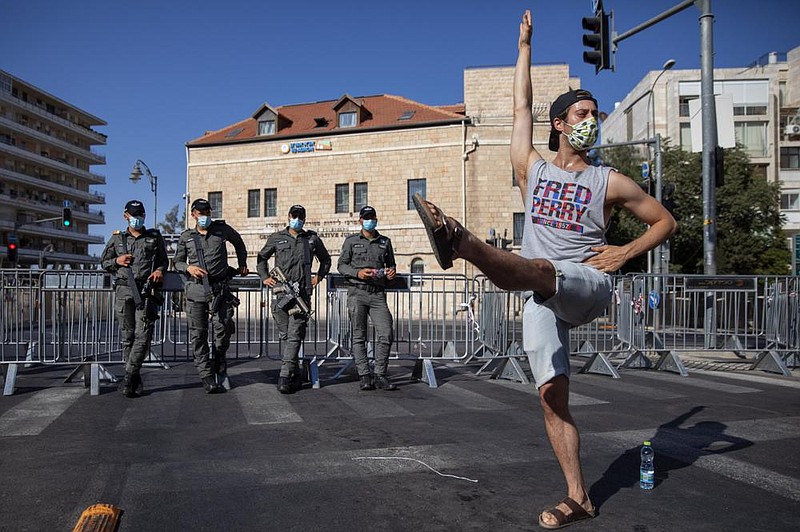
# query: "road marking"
[[33, 415], [466, 398], [575, 399], [699, 383], [263, 404], [776, 381], [372, 404], [703, 443]]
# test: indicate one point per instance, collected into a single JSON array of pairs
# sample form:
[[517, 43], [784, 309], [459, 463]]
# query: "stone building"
[[335, 156]]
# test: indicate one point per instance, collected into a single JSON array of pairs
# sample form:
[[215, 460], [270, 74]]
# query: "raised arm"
[[523, 154]]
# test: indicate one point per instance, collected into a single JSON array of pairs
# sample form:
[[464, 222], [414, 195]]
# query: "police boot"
[[129, 384], [284, 385], [382, 383], [211, 385], [366, 383], [297, 381]]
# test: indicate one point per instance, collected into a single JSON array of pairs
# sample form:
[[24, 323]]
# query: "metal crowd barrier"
[[67, 317]]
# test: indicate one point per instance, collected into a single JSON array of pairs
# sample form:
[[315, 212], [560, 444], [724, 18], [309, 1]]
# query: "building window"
[[359, 196], [790, 157], [253, 203], [753, 135], [514, 178], [790, 201], [215, 199], [686, 136], [519, 228], [266, 127], [417, 269], [683, 107], [270, 202], [348, 119], [415, 185], [342, 197]]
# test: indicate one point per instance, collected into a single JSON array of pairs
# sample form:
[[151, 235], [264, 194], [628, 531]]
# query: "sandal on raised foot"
[[578, 514], [443, 238]]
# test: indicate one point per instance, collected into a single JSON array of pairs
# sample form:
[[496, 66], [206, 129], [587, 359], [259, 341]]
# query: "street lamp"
[[656, 145], [136, 175], [651, 108]]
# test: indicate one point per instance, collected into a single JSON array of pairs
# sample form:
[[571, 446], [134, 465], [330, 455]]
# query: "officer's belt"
[[368, 288]]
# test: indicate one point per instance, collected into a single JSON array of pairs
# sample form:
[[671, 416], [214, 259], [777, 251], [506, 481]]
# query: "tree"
[[749, 235], [172, 224]]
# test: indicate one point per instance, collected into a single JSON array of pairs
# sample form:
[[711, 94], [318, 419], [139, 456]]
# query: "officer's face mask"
[[136, 222], [369, 225], [296, 223], [203, 221], [583, 134]]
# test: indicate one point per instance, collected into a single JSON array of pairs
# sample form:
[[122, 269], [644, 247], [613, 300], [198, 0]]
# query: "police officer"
[[135, 255], [367, 260], [202, 256], [293, 248]]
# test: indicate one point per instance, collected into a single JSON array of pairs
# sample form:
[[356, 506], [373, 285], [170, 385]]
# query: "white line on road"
[[33, 415]]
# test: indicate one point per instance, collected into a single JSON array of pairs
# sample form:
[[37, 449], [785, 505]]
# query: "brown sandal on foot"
[[444, 239], [578, 514]]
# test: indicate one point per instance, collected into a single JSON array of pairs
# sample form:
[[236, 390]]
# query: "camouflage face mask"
[[584, 134]]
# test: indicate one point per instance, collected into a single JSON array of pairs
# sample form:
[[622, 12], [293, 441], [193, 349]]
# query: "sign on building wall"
[[305, 146]]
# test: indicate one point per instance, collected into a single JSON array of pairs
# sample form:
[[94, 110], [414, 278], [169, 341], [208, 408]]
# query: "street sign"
[[645, 170], [654, 299]]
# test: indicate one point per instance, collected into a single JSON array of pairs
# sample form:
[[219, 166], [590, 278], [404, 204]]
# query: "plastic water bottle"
[[647, 468]]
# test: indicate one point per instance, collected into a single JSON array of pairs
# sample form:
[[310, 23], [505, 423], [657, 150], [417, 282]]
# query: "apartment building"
[[337, 155], [765, 97], [46, 158]]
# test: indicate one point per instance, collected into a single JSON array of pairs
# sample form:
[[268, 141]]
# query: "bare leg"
[[565, 440], [507, 271]]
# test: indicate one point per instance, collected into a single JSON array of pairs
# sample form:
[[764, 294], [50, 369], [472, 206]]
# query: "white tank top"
[[564, 212]]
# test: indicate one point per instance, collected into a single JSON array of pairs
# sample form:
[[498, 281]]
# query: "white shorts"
[[582, 294]]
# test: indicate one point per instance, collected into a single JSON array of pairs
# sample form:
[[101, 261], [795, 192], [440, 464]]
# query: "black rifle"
[[291, 299]]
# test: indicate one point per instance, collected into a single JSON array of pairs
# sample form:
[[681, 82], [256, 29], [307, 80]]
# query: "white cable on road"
[[413, 460]]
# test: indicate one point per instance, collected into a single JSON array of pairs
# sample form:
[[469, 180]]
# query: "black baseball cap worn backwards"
[[201, 204], [134, 208], [560, 106]]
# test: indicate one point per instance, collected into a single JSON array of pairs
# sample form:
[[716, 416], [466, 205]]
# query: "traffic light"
[[11, 252], [66, 217], [598, 39]]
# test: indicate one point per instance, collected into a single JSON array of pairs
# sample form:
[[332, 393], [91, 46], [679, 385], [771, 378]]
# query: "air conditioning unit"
[[792, 129]]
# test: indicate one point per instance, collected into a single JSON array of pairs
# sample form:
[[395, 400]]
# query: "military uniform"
[[199, 302], [149, 254], [367, 297], [293, 255]]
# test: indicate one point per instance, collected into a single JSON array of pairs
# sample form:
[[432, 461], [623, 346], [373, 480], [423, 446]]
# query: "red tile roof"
[[384, 111]]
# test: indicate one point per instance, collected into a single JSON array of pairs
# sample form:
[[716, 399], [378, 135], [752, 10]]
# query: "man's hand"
[[196, 271], [270, 281], [314, 280], [156, 277], [366, 273], [243, 271], [609, 259], [124, 260], [390, 273], [525, 29]]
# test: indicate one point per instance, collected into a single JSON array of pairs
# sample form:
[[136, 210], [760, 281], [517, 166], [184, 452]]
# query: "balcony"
[[93, 158], [94, 179], [42, 112], [90, 196], [49, 210], [34, 256], [50, 231]]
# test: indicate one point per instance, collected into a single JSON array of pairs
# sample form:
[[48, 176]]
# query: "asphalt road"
[[469, 455]]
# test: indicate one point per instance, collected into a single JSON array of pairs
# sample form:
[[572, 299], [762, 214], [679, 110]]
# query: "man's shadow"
[[674, 447]]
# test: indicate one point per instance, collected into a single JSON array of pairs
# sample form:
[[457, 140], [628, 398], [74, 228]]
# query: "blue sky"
[[163, 72]]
